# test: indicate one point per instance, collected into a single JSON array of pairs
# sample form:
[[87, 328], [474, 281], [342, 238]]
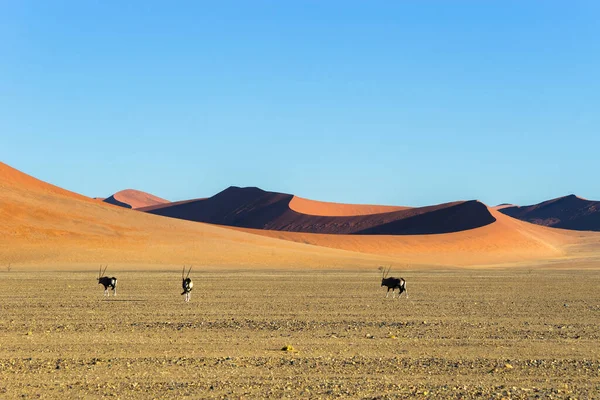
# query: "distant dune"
[[505, 240], [569, 212], [503, 205], [327, 209], [44, 226], [258, 209], [131, 198], [163, 205]]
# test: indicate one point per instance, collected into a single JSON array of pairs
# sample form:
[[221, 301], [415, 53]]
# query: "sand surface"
[[43, 225], [520, 322], [460, 334]]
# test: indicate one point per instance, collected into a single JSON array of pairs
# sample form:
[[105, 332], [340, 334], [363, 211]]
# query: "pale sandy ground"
[[461, 334]]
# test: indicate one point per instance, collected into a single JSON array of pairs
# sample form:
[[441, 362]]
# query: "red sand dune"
[[255, 208], [43, 226], [505, 240], [569, 212], [130, 198], [12, 179], [323, 208]]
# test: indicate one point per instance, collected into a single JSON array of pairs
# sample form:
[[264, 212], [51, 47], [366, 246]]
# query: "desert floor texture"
[[505, 310], [496, 333]]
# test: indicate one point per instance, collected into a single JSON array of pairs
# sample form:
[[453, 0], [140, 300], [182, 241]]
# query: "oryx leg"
[[387, 293]]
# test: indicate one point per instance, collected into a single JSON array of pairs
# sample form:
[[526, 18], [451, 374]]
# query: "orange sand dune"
[[42, 225], [506, 240], [323, 208], [130, 198], [45, 226], [12, 180], [251, 207]]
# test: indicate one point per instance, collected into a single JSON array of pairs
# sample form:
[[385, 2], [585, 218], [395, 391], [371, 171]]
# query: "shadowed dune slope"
[[115, 202], [503, 205], [44, 225], [257, 209], [170, 204], [569, 212], [504, 241], [130, 198]]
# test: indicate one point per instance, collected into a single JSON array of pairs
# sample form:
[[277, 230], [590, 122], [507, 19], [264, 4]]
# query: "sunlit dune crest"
[[323, 208], [131, 198], [501, 206]]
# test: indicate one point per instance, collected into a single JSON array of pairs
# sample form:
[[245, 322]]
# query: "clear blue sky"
[[391, 102]]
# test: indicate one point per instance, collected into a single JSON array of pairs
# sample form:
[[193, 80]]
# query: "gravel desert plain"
[[501, 309]]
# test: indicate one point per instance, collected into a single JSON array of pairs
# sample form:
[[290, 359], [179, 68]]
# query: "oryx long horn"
[[182, 272], [188, 274]]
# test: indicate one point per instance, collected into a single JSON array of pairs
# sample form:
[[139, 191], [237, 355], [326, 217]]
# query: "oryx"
[[107, 282], [187, 284], [393, 283]]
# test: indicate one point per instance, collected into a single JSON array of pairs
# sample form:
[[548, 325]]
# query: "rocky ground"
[[460, 334]]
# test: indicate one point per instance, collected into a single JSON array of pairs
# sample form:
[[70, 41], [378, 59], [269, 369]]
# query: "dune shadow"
[[258, 209], [569, 212], [115, 202]]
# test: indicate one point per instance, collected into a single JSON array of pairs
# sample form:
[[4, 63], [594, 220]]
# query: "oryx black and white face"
[[107, 282], [393, 283], [187, 284]]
